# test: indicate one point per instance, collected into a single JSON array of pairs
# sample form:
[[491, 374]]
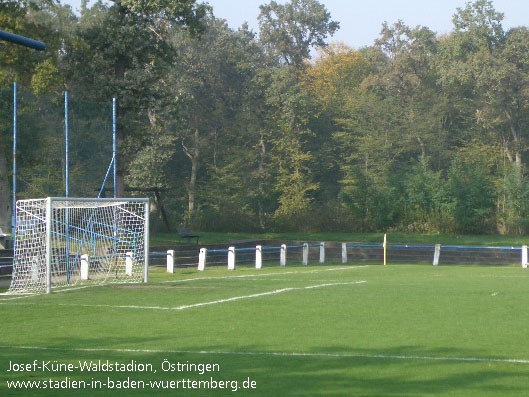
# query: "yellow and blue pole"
[[385, 245]]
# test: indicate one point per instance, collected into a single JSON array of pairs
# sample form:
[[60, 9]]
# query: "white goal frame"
[[70, 242]]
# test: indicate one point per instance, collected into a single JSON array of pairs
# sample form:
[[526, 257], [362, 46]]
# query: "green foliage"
[[516, 202], [227, 131], [46, 78], [159, 12], [426, 200], [290, 30], [471, 192]]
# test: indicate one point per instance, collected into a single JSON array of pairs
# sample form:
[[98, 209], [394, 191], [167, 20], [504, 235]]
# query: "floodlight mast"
[[39, 46], [21, 40]]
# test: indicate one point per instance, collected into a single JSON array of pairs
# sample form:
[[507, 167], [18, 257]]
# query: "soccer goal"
[[67, 242]]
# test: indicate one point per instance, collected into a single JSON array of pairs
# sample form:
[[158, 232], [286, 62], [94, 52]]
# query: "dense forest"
[[235, 130]]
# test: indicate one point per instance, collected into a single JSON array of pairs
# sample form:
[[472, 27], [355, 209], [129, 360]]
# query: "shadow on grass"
[[366, 372]]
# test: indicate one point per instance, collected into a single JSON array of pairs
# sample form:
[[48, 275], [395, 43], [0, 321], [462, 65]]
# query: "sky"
[[361, 20]]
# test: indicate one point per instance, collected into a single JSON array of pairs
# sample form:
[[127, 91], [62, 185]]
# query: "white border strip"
[[280, 354]]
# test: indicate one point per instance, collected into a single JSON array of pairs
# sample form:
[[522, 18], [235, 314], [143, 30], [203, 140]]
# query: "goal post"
[[69, 242]]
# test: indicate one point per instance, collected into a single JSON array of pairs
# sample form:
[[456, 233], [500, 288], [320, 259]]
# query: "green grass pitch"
[[403, 330]]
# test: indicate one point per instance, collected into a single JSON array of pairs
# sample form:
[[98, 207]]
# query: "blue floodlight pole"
[[114, 159], [13, 209], [67, 171], [67, 183], [20, 40], [114, 145]]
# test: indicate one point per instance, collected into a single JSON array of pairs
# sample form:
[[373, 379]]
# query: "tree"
[[206, 107], [333, 76], [123, 50], [471, 189], [409, 76], [329, 82], [479, 24], [289, 31]]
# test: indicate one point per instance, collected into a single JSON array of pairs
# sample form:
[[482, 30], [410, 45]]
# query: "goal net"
[[66, 242]]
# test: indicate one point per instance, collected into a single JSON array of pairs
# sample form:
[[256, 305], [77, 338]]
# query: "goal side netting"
[[68, 242]]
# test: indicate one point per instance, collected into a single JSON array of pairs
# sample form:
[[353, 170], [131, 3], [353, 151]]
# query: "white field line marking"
[[500, 276], [266, 274], [192, 279], [280, 354], [287, 280], [15, 297], [55, 291], [216, 302]]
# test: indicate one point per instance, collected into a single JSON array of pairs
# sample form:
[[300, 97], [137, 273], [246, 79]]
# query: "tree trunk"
[[194, 157], [516, 137], [120, 183], [163, 213], [262, 155], [518, 162], [423, 152]]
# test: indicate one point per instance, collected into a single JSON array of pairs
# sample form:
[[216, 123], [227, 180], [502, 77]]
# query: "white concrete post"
[[283, 255], [344, 252], [258, 256], [84, 267], [128, 263], [322, 252], [436, 254], [231, 258], [170, 261], [305, 254], [524, 256], [202, 254]]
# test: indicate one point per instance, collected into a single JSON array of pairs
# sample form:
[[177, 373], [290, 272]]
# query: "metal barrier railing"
[[257, 255]]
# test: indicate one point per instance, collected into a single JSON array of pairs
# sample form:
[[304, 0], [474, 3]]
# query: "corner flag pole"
[[385, 245]]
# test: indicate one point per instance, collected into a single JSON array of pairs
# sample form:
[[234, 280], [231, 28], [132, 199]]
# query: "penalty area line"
[[10, 297], [219, 301], [267, 274], [280, 354]]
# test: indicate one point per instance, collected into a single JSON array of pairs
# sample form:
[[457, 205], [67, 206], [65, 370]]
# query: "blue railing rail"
[[291, 247], [158, 254], [271, 248], [251, 249], [477, 247], [412, 246], [364, 245], [218, 251], [432, 246]]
